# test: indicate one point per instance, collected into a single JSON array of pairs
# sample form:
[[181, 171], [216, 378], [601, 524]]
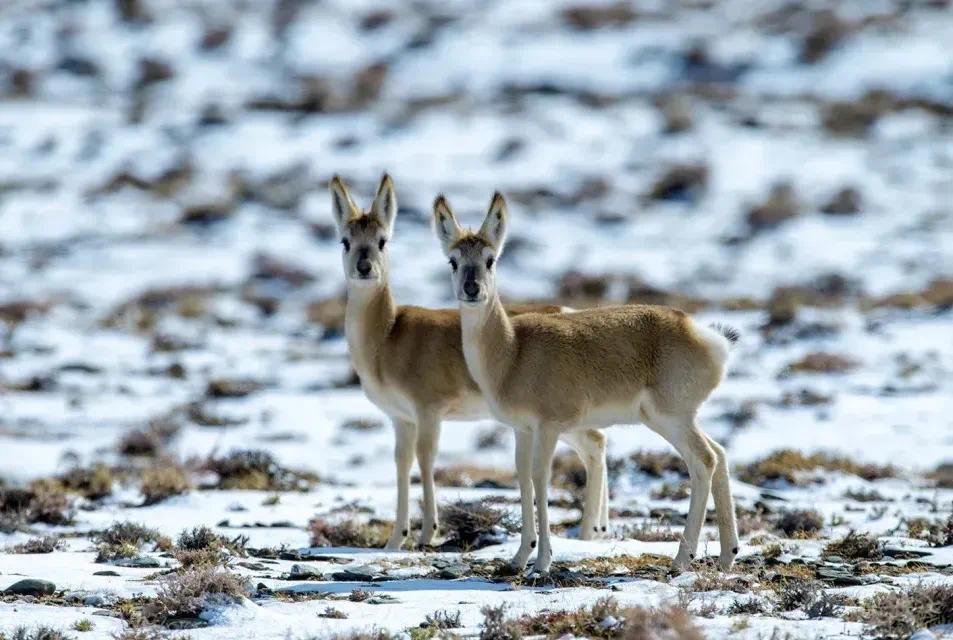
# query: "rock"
[[139, 562], [364, 573], [107, 572], [101, 600], [845, 202], [304, 572], [682, 183], [905, 554], [31, 587], [186, 623], [449, 570], [839, 577]]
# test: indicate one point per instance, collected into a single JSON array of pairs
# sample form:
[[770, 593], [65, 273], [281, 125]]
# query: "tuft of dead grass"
[[186, 594], [41, 632], [471, 475], [791, 466], [125, 540], [855, 546], [46, 544], [798, 523], [472, 525], [43, 501], [938, 533], [349, 533], [256, 469], [162, 482], [658, 464], [897, 615], [202, 546], [150, 442]]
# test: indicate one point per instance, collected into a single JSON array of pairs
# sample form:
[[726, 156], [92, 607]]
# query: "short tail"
[[731, 334]]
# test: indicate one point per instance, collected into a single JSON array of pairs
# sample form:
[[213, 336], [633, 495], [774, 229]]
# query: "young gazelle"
[[410, 363], [548, 374]]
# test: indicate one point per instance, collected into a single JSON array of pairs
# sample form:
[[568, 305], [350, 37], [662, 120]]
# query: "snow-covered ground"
[[186, 149]]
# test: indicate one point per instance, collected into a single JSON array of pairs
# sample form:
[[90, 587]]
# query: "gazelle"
[[410, 363], [548, 374]]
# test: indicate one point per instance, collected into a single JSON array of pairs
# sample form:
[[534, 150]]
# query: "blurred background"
[[169, 268]]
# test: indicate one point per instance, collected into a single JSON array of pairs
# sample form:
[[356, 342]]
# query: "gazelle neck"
[[488, 344], [369, 316]]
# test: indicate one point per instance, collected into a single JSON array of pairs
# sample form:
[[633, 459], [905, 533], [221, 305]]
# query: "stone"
[[31, 587]]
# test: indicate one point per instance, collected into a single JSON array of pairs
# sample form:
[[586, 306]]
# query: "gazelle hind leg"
[[524, 475], [724, 507], [590, 445], [406, 436], [544, 446], [604, 501], [692, 445], [428, 433]]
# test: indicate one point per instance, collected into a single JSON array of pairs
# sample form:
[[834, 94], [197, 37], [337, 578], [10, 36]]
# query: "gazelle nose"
[[471, 288], [363, 267]]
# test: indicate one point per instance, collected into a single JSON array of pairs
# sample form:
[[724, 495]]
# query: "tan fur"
[[411, 365], [549, 374]]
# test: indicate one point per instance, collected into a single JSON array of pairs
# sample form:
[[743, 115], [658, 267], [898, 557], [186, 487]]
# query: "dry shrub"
[[800, 523], [475, 524], [942, 475], [672, 491], [46, 544], [821, 362], [650, 532], [496, 626], [163, 481], [35, 633], [125, 540], [780, 206], [139, 633], [94, 483], [187, 593], [256, 469], [149, 442], [589, 17], [797, 594], [710, 580], [855, 546], [202, 546], [896, 616], [442, 619], [657, 464], [938, 533], [41, 501], [349, 533], [789, 465]]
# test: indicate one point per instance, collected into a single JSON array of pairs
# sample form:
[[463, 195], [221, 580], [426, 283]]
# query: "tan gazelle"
[[546, 375], [410, 363]]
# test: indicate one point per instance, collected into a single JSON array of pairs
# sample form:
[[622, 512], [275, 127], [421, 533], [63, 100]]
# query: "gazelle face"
[[364, 235], [472, 256]]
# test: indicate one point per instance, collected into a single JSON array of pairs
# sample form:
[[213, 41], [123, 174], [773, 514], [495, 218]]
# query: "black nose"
[[471, 288], [363, 267]]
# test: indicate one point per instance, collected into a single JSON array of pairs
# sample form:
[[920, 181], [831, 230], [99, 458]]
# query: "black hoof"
[[692, 556], [604, 529], [735, 551], [405, 532], [532, 545], [596, 529], [435, 527]]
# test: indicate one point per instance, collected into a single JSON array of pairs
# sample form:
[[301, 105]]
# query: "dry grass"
[[46, 544], [470, 524], [471, 475], [35, 633], [42, 501], [791, 466], [349, 533], [254, 469], [186, 594], [855, 546], [799, 523], [150, 442], [95, 482], [162, 482], [938, 533], [202, 546], [658, 464], [650, 532], [125, 540], [896, 616]]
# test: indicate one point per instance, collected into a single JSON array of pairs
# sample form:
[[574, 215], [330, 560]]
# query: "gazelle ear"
[[342, 206], [385, 204], [445, 224], [494, 225]]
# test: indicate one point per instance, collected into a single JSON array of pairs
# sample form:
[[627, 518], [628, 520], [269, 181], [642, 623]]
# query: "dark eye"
[[489, 263], [381, 243], [346, 243], [453, 264]]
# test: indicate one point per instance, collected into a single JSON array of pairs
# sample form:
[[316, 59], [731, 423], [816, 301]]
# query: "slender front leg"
[[524, 475], [604, 501], [406, 436], [544, 446], [724, 508], [428, 433]]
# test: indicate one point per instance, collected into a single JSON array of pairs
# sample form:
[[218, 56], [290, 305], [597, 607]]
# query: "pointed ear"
[[385, 203], [445, 224], [342, 205], [494, 225]]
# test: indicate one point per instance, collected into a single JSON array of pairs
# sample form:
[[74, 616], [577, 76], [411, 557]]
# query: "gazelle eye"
[[489, 263], [346, 243], [453, 264], [381, 243]]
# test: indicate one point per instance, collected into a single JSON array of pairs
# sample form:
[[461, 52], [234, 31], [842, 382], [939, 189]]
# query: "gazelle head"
[[472, 255], [364, 235]]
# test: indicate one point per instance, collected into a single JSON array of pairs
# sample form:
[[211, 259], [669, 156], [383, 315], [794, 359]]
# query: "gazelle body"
[[548, 375], [410, 363]]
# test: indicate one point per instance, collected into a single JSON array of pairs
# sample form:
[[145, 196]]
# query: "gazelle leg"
[[693, 446], [544, 446], [428, 433], [524, 474], [590, 446], [724, 507], [604, 500], [406, 436]]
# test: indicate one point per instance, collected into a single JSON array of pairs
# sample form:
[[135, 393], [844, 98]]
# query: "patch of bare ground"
[[793, 467]]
